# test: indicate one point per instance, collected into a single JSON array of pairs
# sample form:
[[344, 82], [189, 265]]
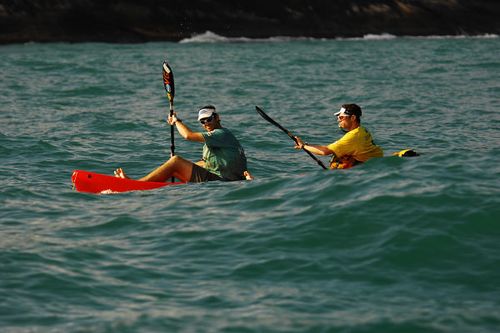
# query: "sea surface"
[[394, 245]]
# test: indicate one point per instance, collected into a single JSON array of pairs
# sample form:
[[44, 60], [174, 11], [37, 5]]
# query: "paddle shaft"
[[272, 121], [172, 131]]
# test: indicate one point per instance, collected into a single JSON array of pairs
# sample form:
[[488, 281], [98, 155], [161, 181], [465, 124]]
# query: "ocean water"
[[394, 245]]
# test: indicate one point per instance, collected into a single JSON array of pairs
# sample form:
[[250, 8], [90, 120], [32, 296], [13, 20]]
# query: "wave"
[[483, 36], [383, 36], [211, 37], [387, 36]]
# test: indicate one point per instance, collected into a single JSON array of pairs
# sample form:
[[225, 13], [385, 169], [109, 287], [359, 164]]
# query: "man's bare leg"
[[175, 167]]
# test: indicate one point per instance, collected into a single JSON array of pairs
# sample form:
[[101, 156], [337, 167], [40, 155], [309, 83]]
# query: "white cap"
[[351, 110], [342, 112], [206, 112]]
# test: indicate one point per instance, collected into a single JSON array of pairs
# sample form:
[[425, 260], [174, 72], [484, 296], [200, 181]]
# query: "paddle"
[[168, 83], [269, 119]]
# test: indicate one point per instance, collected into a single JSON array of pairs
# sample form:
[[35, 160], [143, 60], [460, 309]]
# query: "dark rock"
[[155, 20]]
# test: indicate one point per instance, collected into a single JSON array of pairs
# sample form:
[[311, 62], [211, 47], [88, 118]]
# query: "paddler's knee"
[[176, 159]]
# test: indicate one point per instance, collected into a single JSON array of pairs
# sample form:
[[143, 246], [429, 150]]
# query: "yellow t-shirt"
[[355, 146]]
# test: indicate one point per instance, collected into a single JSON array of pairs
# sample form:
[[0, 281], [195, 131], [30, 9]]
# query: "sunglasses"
[[207, 120], [342, 117]]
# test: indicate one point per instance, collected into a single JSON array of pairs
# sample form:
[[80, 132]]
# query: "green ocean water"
[[394, 245]]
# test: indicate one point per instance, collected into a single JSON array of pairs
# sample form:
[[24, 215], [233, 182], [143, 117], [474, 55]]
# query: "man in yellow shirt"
[[355, 147]]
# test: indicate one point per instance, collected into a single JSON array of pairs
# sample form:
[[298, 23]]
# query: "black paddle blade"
[[290, 135], [272, 121], [168, 81], [265, 116]]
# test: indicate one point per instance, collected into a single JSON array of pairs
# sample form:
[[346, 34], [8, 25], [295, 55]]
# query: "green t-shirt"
[[223, 154]]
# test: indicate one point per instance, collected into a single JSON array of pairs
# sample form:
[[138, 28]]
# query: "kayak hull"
[[92, 182]]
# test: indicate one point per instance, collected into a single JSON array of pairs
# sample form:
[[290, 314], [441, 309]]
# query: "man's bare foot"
[[120, 173], [247, 175]]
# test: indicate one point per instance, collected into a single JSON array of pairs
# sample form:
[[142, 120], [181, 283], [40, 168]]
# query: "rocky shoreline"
[[130, 21]]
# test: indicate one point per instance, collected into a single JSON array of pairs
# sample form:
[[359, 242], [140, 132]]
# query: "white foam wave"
[[211, 37], [207, 37], [383, 36], [485, 36]]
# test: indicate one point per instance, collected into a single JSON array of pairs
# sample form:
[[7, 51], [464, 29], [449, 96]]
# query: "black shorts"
[[201, 175]]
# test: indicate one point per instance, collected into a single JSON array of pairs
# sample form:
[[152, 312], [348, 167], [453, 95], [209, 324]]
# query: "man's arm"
[[185, 131], [315, 149], [318, 150]]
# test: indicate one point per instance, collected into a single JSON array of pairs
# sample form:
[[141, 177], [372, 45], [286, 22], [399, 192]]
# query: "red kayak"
[[91, 182]]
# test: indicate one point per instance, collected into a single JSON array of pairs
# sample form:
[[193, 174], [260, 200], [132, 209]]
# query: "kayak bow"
[[91, 182]]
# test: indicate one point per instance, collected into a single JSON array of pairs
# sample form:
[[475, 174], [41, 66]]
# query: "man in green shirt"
[[223, 156]]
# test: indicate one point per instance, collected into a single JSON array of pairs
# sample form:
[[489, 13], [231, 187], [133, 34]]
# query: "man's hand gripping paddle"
[[168, 83], [269, 119]]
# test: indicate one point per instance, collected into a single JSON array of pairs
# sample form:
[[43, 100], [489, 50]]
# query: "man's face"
[[345, 121], [209, 123]]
